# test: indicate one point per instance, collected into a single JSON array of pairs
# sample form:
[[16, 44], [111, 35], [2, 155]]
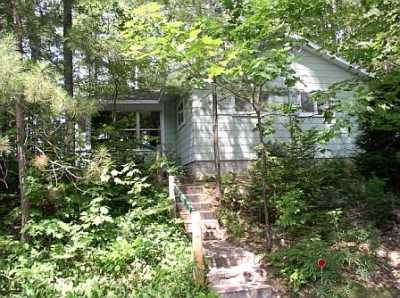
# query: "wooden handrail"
[[197, 246], [171, 194], [197, 235]]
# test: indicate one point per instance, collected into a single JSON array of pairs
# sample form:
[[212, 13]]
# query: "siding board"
[[237, 134]]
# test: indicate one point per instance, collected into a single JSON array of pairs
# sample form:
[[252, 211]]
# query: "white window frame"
[[180, 111]]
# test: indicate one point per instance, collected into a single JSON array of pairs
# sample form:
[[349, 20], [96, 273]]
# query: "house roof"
[[137, 97], [316, 49], [143, 95]]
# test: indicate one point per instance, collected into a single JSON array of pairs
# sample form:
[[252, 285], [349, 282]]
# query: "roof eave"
[[339, 61]]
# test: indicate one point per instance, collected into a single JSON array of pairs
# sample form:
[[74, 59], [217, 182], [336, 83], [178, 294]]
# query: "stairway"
[[233, 271]]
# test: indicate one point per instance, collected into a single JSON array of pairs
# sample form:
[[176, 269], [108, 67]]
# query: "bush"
[[319, 208], [298, 264], [109, 235], [379, 202], [378, 118], [233, 222]]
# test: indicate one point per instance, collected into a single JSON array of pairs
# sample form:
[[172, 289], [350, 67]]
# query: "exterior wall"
[[184, 134], [237, 131], [169, 127], [316, 73], [236, 134], [203, 169]]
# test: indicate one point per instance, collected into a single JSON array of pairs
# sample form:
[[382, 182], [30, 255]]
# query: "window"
[[180, 114], [307, 106], [242, 105], [138, 129]]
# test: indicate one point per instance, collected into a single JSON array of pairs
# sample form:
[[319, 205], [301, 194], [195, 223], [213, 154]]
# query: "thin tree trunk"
[[114, 107], [68, 72], [20, 123], [217, 160], [264, 172], [258, 107]]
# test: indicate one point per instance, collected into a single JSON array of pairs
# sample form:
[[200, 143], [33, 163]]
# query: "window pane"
[[149, 119], [180, 114], [293, 97], [242, 105], [307, 105]]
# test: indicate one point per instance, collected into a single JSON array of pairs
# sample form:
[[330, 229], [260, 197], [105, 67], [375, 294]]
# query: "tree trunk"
[[20, 123], [217, 161], [68, 72], [68, 67], [114, 106], [264, 172]]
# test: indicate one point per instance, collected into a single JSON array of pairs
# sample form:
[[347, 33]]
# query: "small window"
[[243, 105], [180, 114], [306, 105]]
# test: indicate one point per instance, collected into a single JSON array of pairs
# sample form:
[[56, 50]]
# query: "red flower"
[[321, 263]]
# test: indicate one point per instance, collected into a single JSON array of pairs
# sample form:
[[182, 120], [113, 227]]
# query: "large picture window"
[[132, 129]]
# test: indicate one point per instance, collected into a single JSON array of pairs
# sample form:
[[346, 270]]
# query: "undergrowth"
[[320, 209], [108, 235]]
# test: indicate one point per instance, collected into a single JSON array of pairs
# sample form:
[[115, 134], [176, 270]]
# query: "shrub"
[[298, 264], [379, 202], [107, 236], [233, 222]]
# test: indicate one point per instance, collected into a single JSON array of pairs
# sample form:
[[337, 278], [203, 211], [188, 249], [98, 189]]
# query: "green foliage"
[[380, 202], [109, 235], [378, 115], [233, 222], [364, 32], [32, 81], [320, 209], [299, 263], [291, 207], [169, 165]]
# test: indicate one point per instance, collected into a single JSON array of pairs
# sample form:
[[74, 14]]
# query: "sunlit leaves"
[[36, 83], [11, 67]]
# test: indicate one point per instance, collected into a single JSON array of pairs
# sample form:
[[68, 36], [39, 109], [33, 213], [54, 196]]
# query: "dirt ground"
[[388, 273]]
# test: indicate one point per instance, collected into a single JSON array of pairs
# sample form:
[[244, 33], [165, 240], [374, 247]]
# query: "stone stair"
[[233, 271]]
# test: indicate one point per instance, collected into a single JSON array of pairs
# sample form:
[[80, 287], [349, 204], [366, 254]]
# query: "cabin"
[[181, 126]]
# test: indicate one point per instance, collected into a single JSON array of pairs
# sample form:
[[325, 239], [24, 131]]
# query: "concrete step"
[[208, 236], [224, 248], [203, 214], [245, 275], [206, 223], [233, 270], [213, 235], [197, 198], [217, 261], [191, 188], [197, 206], [259, 290]]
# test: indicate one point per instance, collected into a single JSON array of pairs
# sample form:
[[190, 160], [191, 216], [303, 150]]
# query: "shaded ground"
[[388, 273], [383, 282]]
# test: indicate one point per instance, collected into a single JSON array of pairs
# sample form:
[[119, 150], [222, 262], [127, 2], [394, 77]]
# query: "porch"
[[139, 124]]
